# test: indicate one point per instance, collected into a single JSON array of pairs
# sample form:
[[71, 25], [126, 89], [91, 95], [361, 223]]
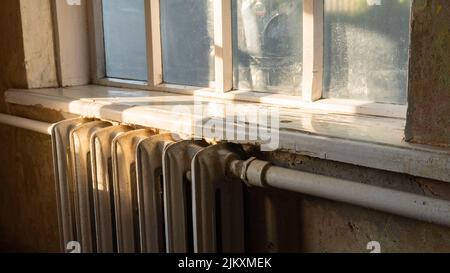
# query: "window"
[[188, 41], [305, 50], [268, 45], [366, 50], [125, 43]]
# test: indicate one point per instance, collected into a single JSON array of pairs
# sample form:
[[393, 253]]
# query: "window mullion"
[[98, 63], [223, 46], [313, 16], [153, 28], [72, 43]]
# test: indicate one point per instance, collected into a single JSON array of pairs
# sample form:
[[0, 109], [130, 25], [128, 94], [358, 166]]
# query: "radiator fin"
[[217, 201], [64, 181], [102, 179], [81, 165], [125, 189], [150, 192], [177, 160]]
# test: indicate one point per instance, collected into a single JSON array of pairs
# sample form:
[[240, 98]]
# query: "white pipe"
[[262, 174], [28, 124]]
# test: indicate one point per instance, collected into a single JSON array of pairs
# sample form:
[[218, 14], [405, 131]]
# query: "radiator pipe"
[[28, 124], [262, 174]]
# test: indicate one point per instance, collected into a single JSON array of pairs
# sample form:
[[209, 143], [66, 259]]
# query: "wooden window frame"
[[313, 61]]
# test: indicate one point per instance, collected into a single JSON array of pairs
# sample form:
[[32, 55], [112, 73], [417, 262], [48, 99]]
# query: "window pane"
[[187, 41], [366, 49], [268, 45], [125, 39]]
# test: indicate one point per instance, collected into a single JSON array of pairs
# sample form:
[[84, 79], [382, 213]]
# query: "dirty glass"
[[267, 45], [125, 39], [187, 41], [366, 49]]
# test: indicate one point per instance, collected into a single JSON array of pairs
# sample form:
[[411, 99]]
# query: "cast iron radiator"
[[127, 190]]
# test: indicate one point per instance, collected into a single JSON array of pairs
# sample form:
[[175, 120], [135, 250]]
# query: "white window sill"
[[369, 141], [344, 106]]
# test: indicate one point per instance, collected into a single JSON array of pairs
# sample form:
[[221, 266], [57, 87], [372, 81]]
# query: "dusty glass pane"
[[187, 41], [267, 42], [125, 39], [366, 49]]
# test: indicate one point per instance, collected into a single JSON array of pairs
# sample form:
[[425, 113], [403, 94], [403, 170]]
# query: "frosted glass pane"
[[268, 45], [366, 49], [187, 41], [125, 39]]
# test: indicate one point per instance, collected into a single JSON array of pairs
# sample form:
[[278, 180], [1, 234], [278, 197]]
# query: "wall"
[[27, 204], [278, 221], [429, 86]]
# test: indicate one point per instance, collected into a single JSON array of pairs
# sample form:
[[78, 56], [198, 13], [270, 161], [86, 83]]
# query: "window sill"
[[369, 141], [343, 106]]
